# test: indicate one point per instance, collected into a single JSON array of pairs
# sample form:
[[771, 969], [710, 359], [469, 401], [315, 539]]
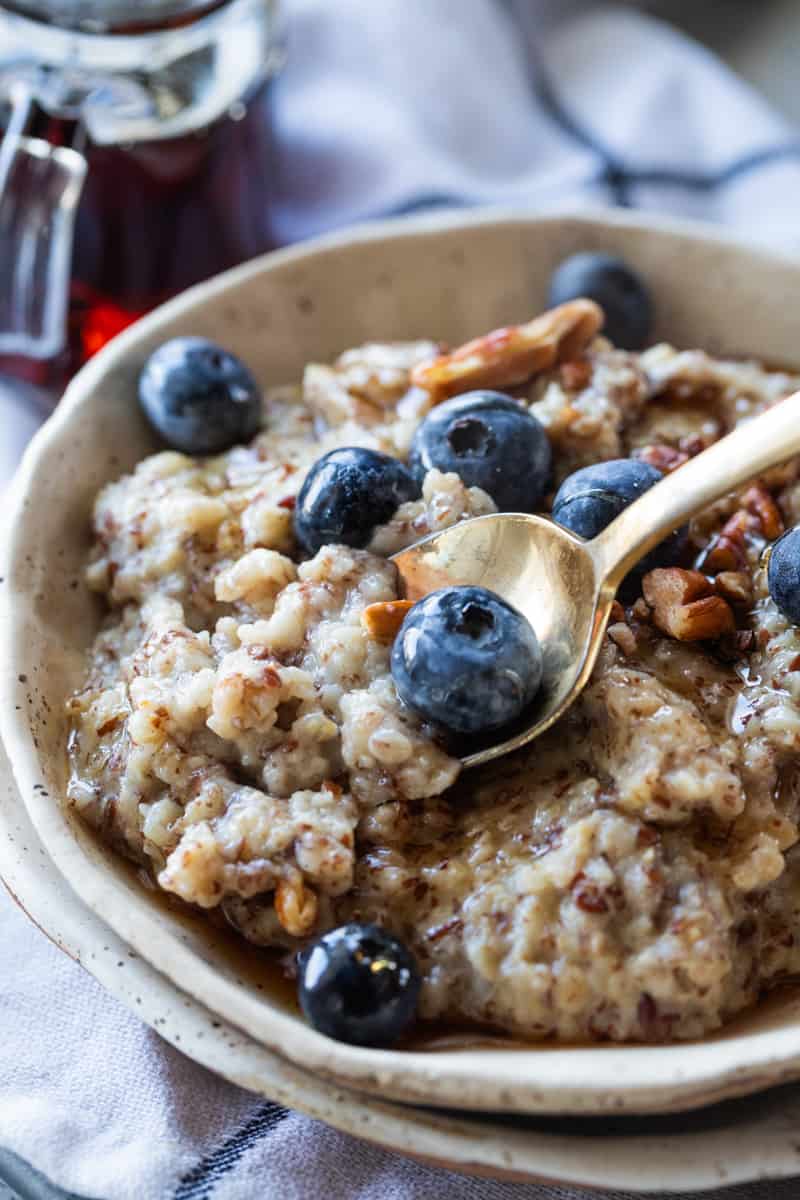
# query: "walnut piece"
[[684, 605], [382, 621], [295, 906], [514, 354]]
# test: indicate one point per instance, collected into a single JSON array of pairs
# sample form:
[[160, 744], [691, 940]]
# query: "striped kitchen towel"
[[383, 108]]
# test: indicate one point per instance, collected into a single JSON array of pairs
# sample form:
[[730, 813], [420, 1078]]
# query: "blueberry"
[[613, 285], [467, 660], [783, 574], [591, 498], [200, 398], [346, 494], [359, 984], [492, 442]]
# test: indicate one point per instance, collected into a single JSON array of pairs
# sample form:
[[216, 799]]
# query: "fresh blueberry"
[[359, 984], [783, 574], [466, 660], [492, 442], [346, 494], [591, 498], [613, 285], [200, 398]]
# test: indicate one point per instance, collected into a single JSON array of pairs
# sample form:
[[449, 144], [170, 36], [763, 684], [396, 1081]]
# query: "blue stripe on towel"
[[428, 202], [621, 177], [613, 171], [705, 181], [200, 1181]]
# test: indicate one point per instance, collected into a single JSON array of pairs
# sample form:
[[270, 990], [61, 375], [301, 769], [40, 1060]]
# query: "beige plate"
[[434, 277], [732, 1143]]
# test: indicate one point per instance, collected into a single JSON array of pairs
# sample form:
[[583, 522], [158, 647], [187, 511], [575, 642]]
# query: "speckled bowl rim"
[[592, 1079]]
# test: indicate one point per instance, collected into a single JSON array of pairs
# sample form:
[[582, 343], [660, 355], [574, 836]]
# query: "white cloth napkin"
[[384, 107]]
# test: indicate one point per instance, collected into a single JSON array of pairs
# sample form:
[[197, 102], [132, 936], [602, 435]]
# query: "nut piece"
[[663, 458], [576, 374], [620, 631], [758, 515], [684, 605], [727, 551], [758, 501], [641, 610], [514, 354], [295, 906], [623, 636], [382, 621], [735, 586]]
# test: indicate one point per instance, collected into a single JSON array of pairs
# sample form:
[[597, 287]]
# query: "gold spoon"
[[565, 586]]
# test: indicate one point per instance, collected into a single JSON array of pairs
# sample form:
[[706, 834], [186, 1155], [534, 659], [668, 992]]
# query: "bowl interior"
[[438, 278]]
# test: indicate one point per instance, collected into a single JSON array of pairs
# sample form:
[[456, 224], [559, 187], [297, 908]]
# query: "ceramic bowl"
[[445, 278]]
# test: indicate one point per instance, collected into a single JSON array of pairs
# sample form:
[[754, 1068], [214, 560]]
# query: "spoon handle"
[[752, 448]]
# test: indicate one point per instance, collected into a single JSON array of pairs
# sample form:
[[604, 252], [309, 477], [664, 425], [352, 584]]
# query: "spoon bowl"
[[565, 586], [548, 574]]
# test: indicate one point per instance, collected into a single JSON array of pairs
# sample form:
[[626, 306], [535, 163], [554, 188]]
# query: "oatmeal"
[[630, 875]]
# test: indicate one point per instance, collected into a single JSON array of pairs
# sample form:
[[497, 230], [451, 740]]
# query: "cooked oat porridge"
[[630, 875]]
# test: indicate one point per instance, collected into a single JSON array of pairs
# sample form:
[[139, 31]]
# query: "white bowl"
[[443, 278]]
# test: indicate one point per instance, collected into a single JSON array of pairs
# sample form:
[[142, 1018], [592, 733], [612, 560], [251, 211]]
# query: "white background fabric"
[[384, 107]]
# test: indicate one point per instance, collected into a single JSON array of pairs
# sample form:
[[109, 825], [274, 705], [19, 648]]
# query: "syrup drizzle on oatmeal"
[[266, 973]]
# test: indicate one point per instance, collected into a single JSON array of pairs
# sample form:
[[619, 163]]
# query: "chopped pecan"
[[382, 621], [640, 610], [684, 605], [514, 354], [295, 906], [727, 551], [663, 458], [735, 586], [760, 503], [623, 636], [576, 374], [617, 613], [759, 515]]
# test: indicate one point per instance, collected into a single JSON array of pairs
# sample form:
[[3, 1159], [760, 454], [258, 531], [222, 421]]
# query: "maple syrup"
[[171, 115]]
